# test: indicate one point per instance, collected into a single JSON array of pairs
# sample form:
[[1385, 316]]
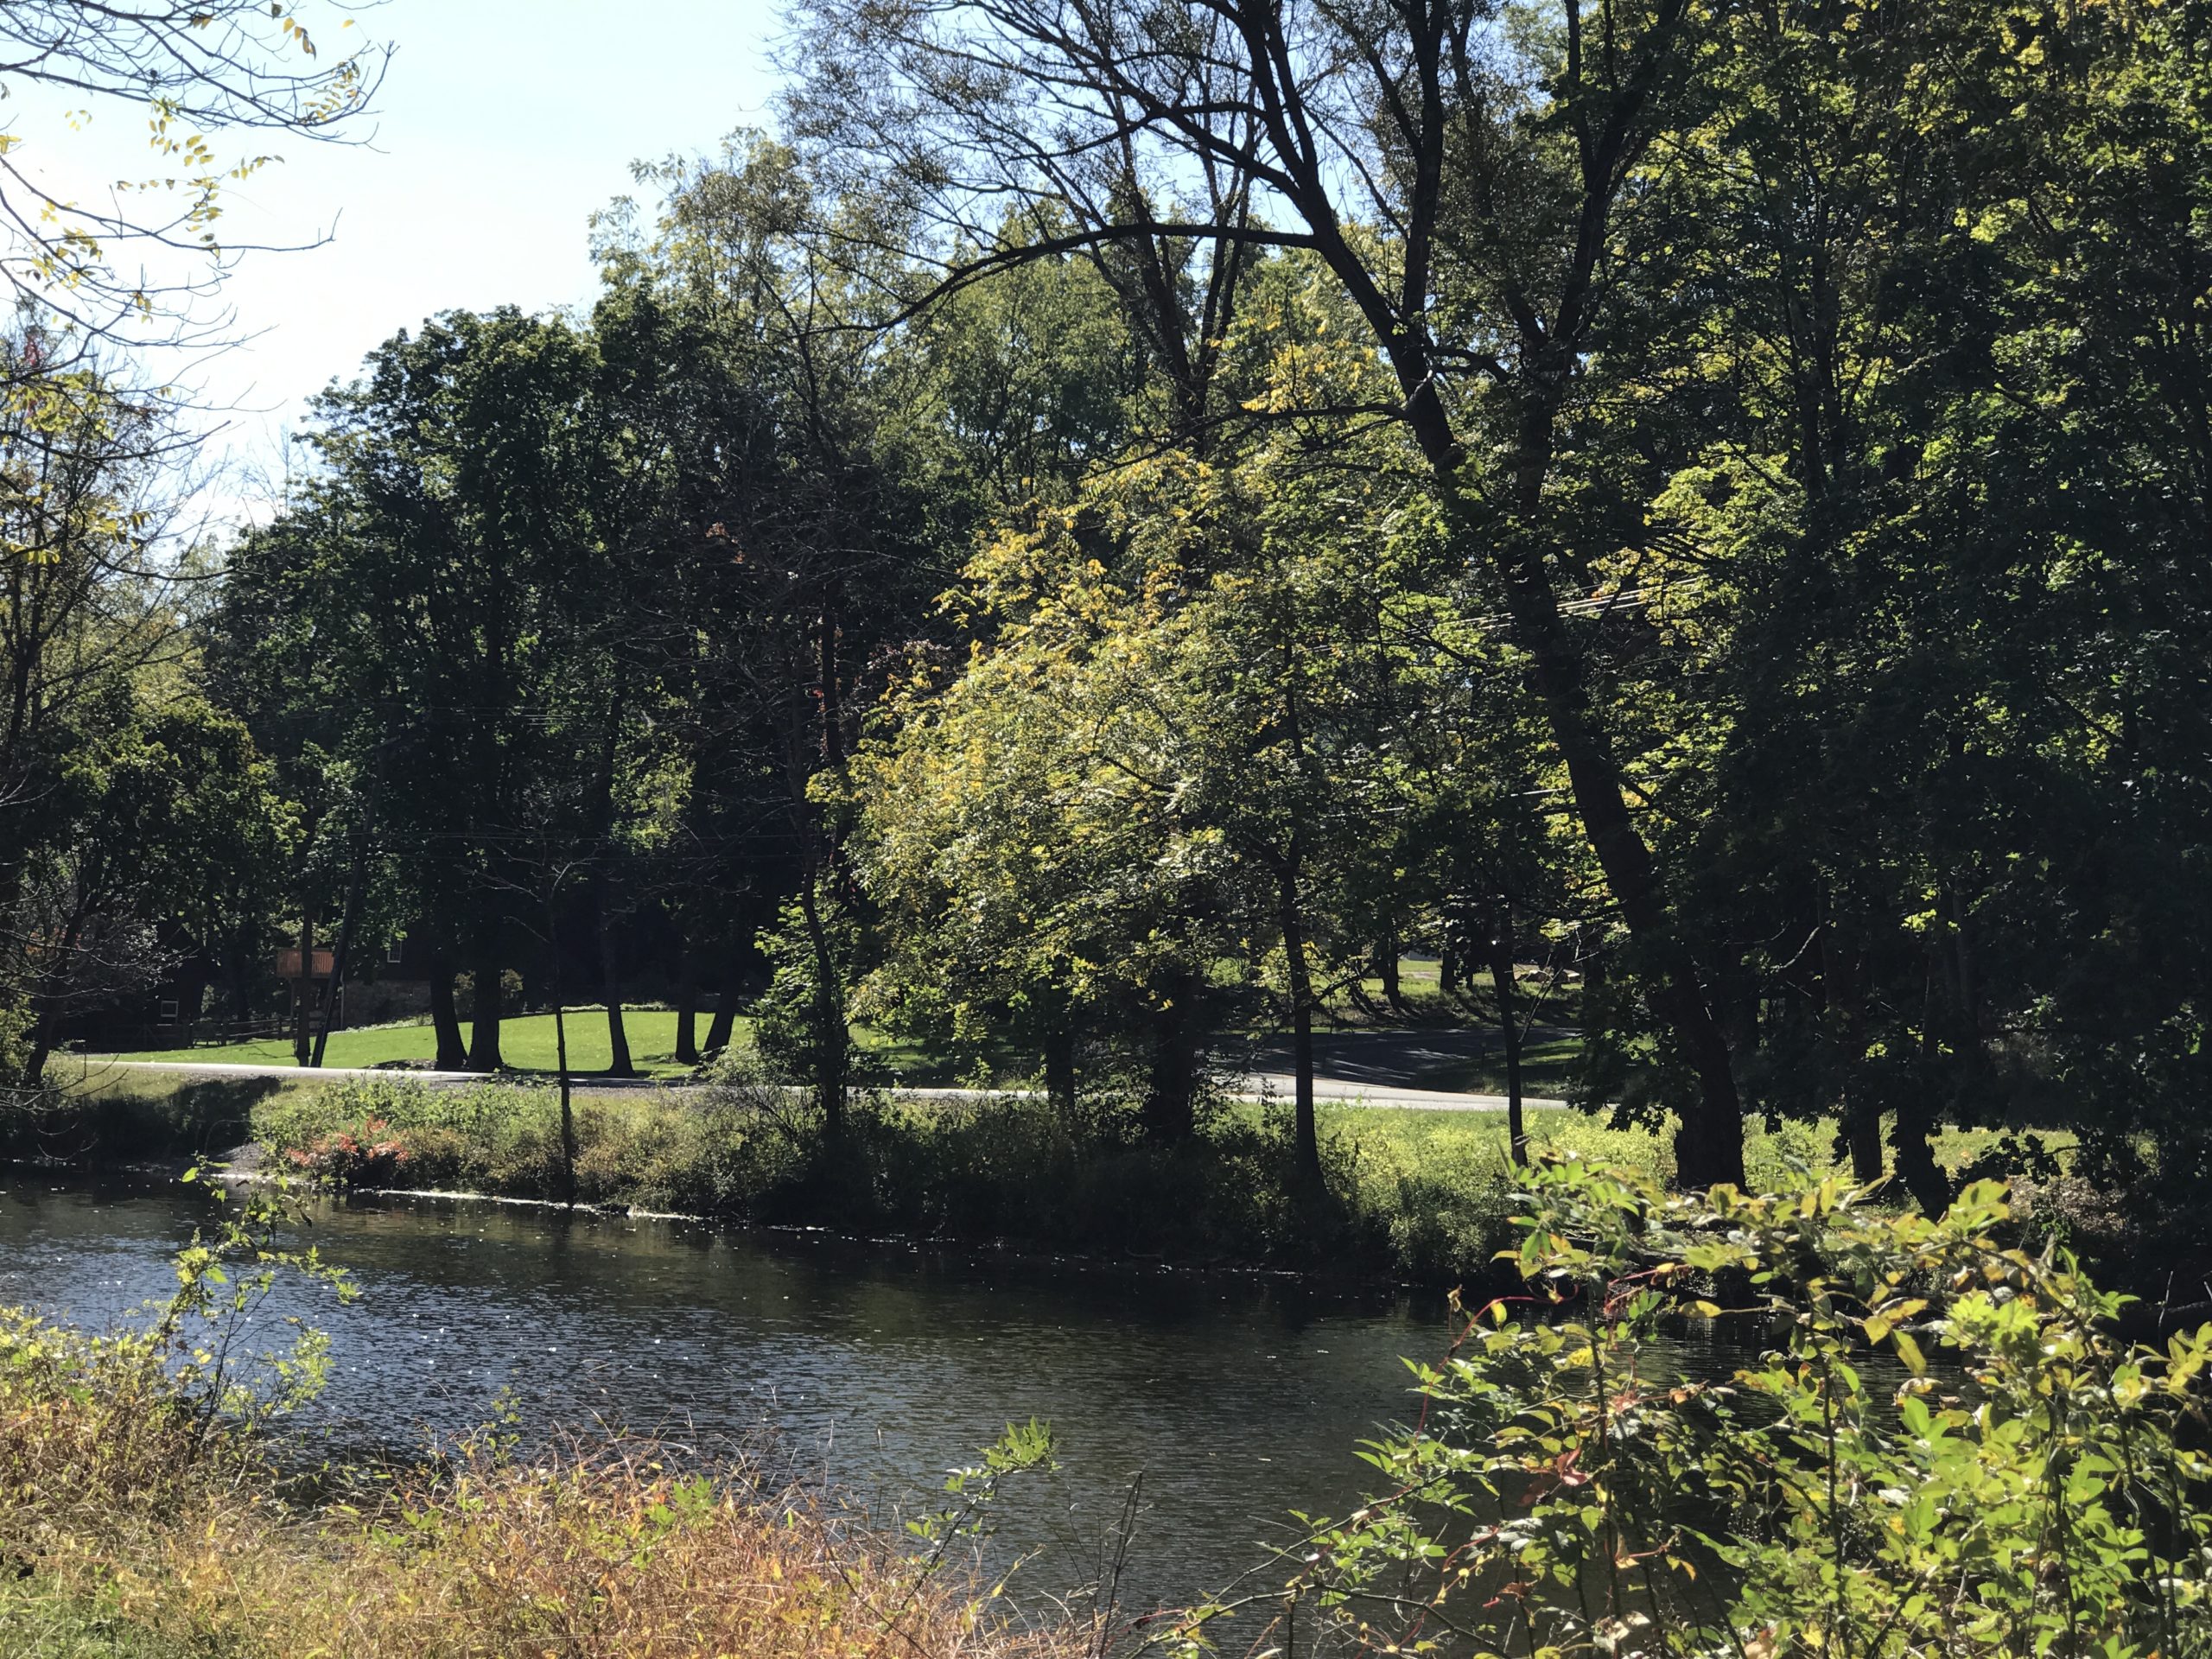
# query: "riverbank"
[[137, 1521], [1415, 1196]]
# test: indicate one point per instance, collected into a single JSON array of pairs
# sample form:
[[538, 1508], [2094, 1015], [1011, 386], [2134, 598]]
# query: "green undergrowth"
[[1428, 1196], [1419, 1195], [1936, 1444], [46, 1619]]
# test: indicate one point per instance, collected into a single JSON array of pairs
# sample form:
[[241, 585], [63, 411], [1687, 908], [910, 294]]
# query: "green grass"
[[41, 1620], [1547, 1067], [1414, 1194], [1774, 1160], [526, 1043], [1421, 987]]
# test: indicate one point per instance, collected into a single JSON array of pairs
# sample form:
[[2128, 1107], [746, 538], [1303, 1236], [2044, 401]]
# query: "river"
[[876, 1365]]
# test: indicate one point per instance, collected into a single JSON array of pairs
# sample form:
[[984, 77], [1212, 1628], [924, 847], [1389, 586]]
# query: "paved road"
[[1278, 1085]]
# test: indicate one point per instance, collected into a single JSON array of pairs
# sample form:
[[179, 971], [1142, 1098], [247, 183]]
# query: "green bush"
[[1424, 1196], [1941, 1449], [368, 1156]]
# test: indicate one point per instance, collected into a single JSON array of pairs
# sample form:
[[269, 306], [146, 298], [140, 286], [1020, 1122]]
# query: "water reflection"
[[1237, 1397]]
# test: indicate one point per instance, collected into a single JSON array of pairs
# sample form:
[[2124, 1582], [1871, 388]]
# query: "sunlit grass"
[[526, 1044]]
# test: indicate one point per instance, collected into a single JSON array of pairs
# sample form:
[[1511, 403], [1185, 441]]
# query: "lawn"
[[1468, 1150], [1547, 1067], [526, 1042], [1421, 988]]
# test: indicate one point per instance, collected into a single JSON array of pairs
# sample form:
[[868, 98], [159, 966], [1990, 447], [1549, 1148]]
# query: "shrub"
[[368, 1156], [2035, 1490]]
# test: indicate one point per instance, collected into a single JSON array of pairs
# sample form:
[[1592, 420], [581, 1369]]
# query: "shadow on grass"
[[116, 1126]]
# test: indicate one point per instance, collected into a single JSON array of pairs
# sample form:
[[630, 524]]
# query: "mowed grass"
[[1547, 1068], [1780, 1159], [526, 1044]]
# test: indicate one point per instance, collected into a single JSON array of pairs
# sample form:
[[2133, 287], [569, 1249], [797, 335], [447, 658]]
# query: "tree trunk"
[[47, 1027], [567, 1111], [1059, 1068], [301, 1013], [1171, 1079], [1862, 1109], [687, 1015], [1862, 1126], [1910, 1127], [1709, 1149], [1386, 959], [445, 1019], [1969, 998], [1298, 972], [338, 957], [724, 1023], [618, 1035], [831, 1040], [561, 1055], [1509, 1025], [1922, 1176], [618, 1038], [483, 1040], [243, 964]]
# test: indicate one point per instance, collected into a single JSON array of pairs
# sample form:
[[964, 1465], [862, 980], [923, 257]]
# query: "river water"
[[1235, 1398]]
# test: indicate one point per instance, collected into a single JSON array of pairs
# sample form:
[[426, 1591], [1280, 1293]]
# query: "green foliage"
[[129, 1430], [1024, 1449], [1944, 1449], [464, 992], [1421, 1195], [799, 1027]]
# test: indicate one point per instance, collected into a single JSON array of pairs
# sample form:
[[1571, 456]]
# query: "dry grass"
[[182, 1543]]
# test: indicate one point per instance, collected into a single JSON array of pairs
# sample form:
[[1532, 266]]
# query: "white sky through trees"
[[501, 126]]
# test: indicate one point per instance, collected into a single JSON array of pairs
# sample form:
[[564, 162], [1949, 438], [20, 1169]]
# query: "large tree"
[[1462, 184]]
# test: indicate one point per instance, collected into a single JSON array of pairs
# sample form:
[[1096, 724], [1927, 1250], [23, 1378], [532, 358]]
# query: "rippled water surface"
[[1236, 1397]]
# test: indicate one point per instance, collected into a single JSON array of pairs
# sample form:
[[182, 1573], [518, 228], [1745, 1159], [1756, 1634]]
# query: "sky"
[[501, 126]]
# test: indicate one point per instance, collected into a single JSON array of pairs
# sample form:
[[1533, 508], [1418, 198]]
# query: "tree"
[[203, 71], [92, 594], [1460, 185], [157, 816], [808, 507], [1173, 746], [427, 609]]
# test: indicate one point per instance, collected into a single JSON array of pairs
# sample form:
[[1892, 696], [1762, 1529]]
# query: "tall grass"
[[127, 1529], [1429, 1196]]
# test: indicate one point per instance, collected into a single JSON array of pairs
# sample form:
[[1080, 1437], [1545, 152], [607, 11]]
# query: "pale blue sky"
[[502, 125]]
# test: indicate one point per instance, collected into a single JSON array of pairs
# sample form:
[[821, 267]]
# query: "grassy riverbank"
[[1418, 1195], [138, 1523]]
